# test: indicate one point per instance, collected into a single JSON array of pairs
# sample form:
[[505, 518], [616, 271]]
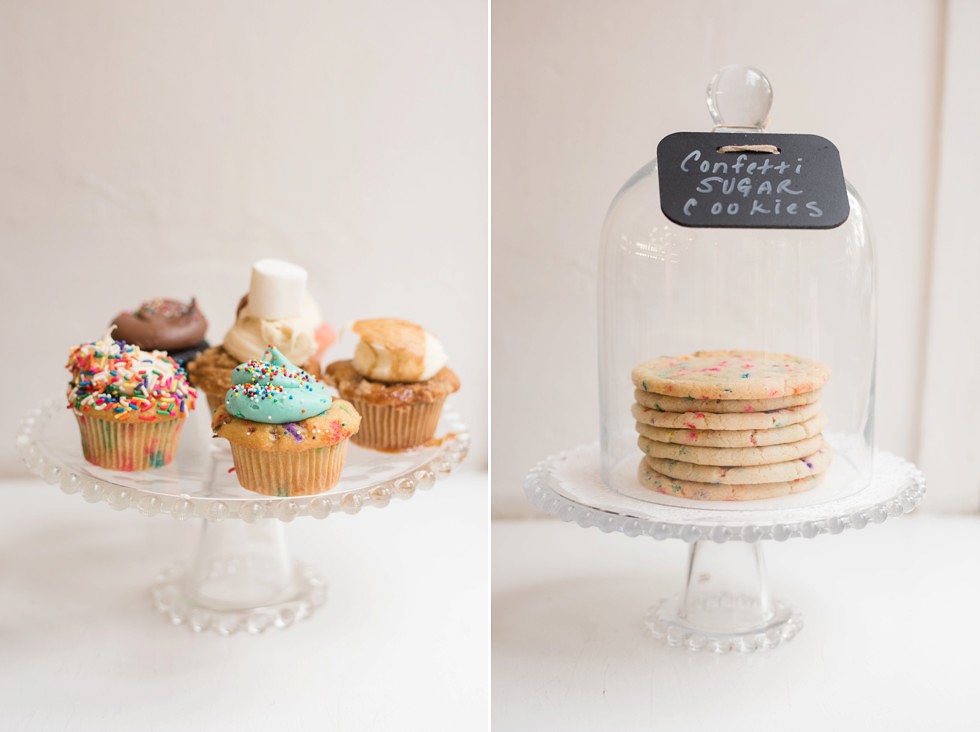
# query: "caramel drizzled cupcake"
[[398, 381]]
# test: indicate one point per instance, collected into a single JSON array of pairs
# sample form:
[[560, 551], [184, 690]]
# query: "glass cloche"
[[668, 290]]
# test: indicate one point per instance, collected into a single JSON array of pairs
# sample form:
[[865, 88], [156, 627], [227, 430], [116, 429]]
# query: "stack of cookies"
[[730, 425]]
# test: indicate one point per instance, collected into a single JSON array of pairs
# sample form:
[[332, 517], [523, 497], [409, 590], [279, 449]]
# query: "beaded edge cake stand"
[[726, 604], [241, 576]]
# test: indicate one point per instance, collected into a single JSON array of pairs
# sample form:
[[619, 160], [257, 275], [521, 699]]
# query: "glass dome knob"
[[740, 97]]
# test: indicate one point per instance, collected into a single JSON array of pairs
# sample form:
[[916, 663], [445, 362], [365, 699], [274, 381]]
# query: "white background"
[[583, 92], [157, 149]]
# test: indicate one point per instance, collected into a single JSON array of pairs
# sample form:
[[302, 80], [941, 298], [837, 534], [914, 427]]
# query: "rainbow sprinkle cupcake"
[[130, 404]]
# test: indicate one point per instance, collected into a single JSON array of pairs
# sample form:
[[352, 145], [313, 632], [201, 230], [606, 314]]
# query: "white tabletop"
[[889, 642], [402, 642]]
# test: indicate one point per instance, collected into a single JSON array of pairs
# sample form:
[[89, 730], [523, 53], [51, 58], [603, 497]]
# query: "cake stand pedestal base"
[[726, 605], [241, 578]]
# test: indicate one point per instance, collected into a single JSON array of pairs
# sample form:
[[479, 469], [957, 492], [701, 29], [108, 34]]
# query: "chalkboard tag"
[[751, 180]]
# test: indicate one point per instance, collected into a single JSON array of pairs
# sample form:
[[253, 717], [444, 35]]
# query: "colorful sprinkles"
[[169, 309], [122, 379], [266, 382]]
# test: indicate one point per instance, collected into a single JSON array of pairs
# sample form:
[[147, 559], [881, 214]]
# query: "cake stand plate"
[[726, 604], [241, 576]]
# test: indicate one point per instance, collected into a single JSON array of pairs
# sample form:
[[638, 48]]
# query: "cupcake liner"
[[121, 445], [396, 427], [289, 472]]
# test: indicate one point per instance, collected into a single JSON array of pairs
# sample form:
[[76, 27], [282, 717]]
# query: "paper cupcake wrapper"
[[396, 428], [289, 473], [120, 445]]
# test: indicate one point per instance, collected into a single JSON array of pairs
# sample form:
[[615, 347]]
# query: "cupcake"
[[398, 381], [288, 436], [277, 312], [130, 404], [164, 325]]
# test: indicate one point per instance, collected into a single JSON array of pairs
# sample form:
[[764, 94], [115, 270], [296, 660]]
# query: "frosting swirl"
[[294, 337], [163, 324], [273, 390]]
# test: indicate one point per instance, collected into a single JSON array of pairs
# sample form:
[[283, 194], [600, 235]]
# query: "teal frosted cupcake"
[[288, 435]]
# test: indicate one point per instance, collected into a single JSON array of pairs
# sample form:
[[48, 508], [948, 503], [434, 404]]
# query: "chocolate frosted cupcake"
[[164, 325], [398, 381], [288, 435], [277, 312], [130, 404]]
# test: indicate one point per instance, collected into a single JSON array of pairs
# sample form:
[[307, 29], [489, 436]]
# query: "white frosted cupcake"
[[277, 312]]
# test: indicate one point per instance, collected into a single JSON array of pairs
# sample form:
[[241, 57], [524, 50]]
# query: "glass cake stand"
[[726, 604], [241, 576]]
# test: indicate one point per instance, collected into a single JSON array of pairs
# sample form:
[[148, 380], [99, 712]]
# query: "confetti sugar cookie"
[[730, 425], [710, 421], [663, 403], [730, 375], [780, 472], [713, 492], [731, 456], [735, 438]]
